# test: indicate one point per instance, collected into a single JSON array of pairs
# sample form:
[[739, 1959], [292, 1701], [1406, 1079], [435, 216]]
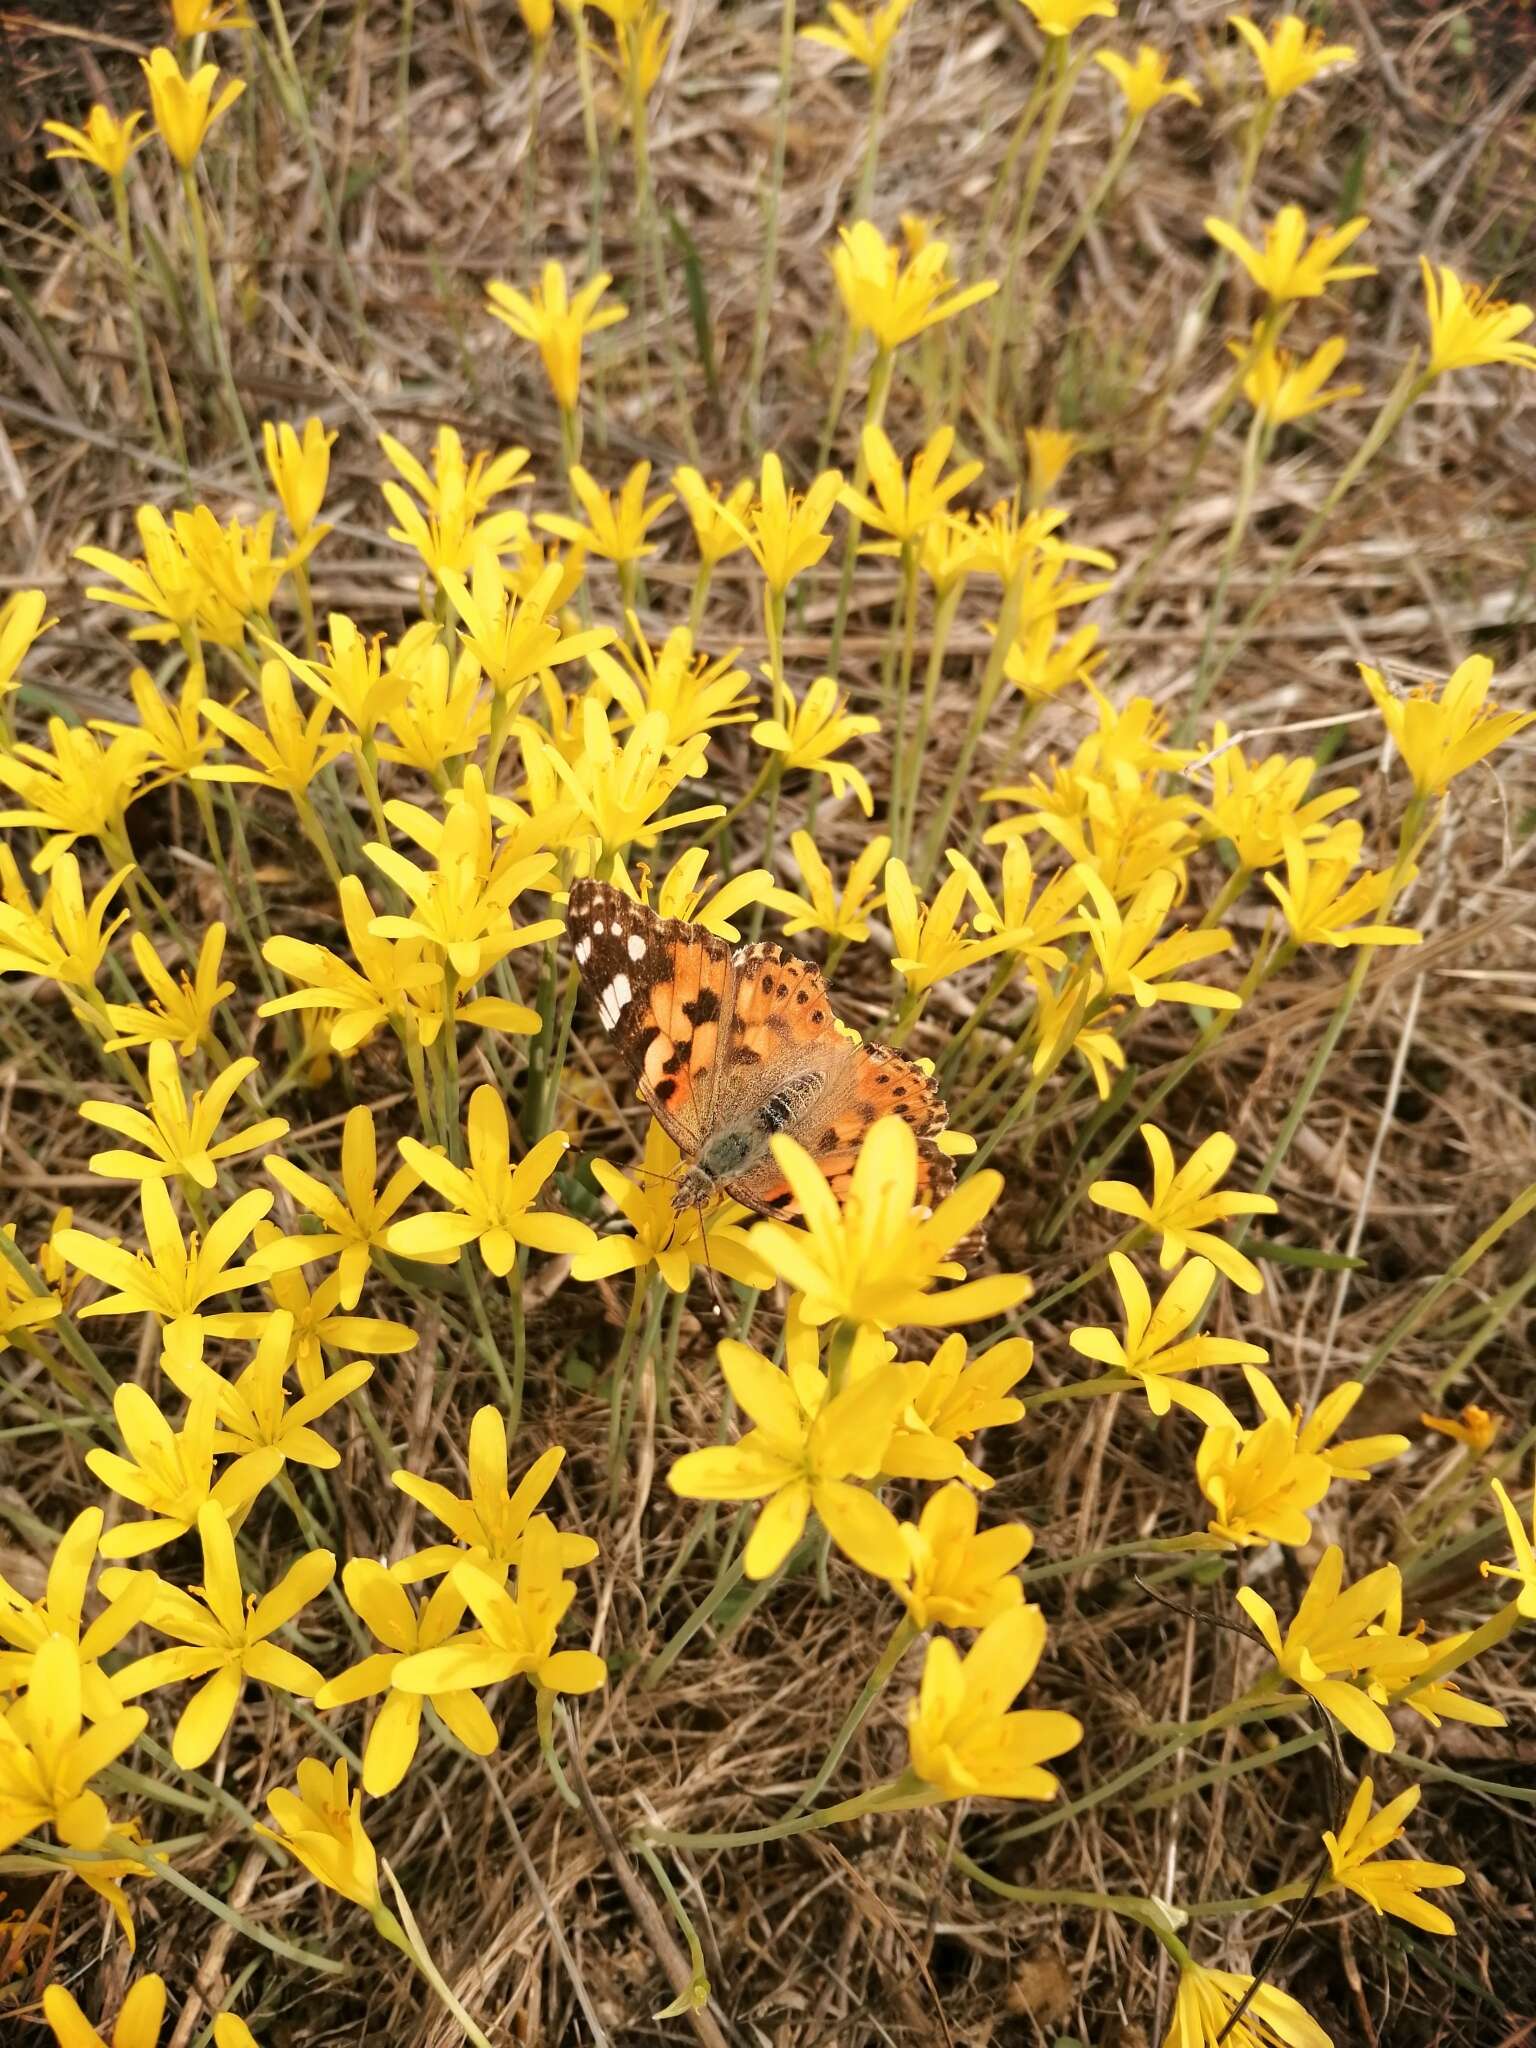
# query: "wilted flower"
[[1474, 1428]]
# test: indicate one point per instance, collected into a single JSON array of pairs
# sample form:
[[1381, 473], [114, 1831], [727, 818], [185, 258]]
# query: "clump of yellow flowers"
[[379, 1228]]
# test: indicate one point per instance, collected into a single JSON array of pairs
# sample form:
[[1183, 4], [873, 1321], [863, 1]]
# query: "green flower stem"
[[1011, 154], [1061, 69], [1014, 1114], [135, 315], [525, 183], [544, 1715], [315, 833], [64, 1326], [626, 1367], [1255, 453], [1499, 1310], [943, 622], [1261, 1902], [405, 1935], [699, 598], [288, 81], [1002, 974], [772, 197], [119, 1846], [874, 414], [839, 392], [1089, 212], [1419, 1313], [727, 1579], [879, 82], [650, 234], [902, 1638], [208, 292], [1494, 1631], [696, 1996], [903, 762], [1081, 1390], [489, 1349], [1233, 1767], [577, 14], [1127, 1904], [899, 1795]]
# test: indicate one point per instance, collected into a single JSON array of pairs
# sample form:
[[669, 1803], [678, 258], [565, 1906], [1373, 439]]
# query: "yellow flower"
[[457, 525], [875, 1257], [1260, 1483], [695, 695], [1285, 390], [538, 17], [809, 733], [1474, 1427], [230, 2031], [78, 790], [27, 1625], [1442, 1699], [180, 1011], [255, 1416], [292, 749], [715, 534], [905, 506], [299, 470], [619, 790], [1133, 961], [556, 324], [491, 1523], [949, 1399], [179, 1138], [352, 1222], [960, 1579], [491, 1199], [1207, 2004], [1391, 1884], [677, 1245], [314, 1326], [445, 714], [684, 894], [643, 35], [137, 2024], [893, 296], [1468, 329], [375, 992], [1184, 1201], [23, 617], [1321, 902], [177, 1274], [1441, 737], [20, 1308], [379, 1600], [221, 1638], [1155, 1348], [183, 114], [806, 1451], [1331, 1644], [461, 906], [841, 914], [1288, 266], [47, 1759], [1257, 805], [162, 584], [1524, 1547], [1060, 17], [865, 38], [62, 937], [170, 733], [321, 1827], [616, 531], [1145, 83], [105, 143], [517, 1632], [932, 941], [106, 1876], [961, 1737], [785, 529], [1293, 54], [1314, 1436], [1050, 449], [170, 1472], [513, 636]]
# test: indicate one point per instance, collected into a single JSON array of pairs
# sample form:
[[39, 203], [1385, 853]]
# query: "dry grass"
[[1425, 1128]]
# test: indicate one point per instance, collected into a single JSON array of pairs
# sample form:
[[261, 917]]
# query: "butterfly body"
[[730, 1046]]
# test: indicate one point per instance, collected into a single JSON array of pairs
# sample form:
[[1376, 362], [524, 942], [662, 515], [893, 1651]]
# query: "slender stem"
[[900, 1795], [406, 1936], [1062, 71], [117, 1847], [902, 1638], [874, 413], [906, 624], [208, 291], [1127, 1904], [135, 315], [879, 81], [1255, 449], [772, 197], [726, 1582]]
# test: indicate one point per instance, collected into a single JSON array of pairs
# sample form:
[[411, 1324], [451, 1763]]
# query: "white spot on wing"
[[598, 926], [636, 946], [614, 1000], [583, 952]]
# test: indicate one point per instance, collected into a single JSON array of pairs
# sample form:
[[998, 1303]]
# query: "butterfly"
[[731, 1044]]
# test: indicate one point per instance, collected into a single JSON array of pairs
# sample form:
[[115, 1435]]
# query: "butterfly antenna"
[[711, 1279]]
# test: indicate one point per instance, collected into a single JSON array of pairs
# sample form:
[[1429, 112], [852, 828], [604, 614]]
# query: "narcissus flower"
[[362, 998], [1033, 928], [74, 788], [491, 1199], [556, 323], [321, 1826], [1350, 1460], [105, 143], [170, 733], [932, 940], [866, 39], [299, 469], [677, 1245], [961, 1736], [516, 635], [1133, 961], [1441, 737], [222, 1639], [352, 1222], [1061, 17], [840, 913], [379, 1600], [617, 529], [618, 790], [185, 108], [169, 1472], [1286, 390], [180, 1138], [1323, 897], [1468, 329], [806, 1451], [1206, 2006], [288, 752], [1289, 266], [162, 584], [904, 504], [491, 1522], [1524, 1548], [254, 1414], [1292, 55], [1155, 1348], [1332, 1652], [896, 295], [695, 695], [875, 1257], [959, 1578], [137, 2024], [1391, 1884], [810, 733], [1184, 1201], [1145, 83], [315, 1326], [175, 1274]]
